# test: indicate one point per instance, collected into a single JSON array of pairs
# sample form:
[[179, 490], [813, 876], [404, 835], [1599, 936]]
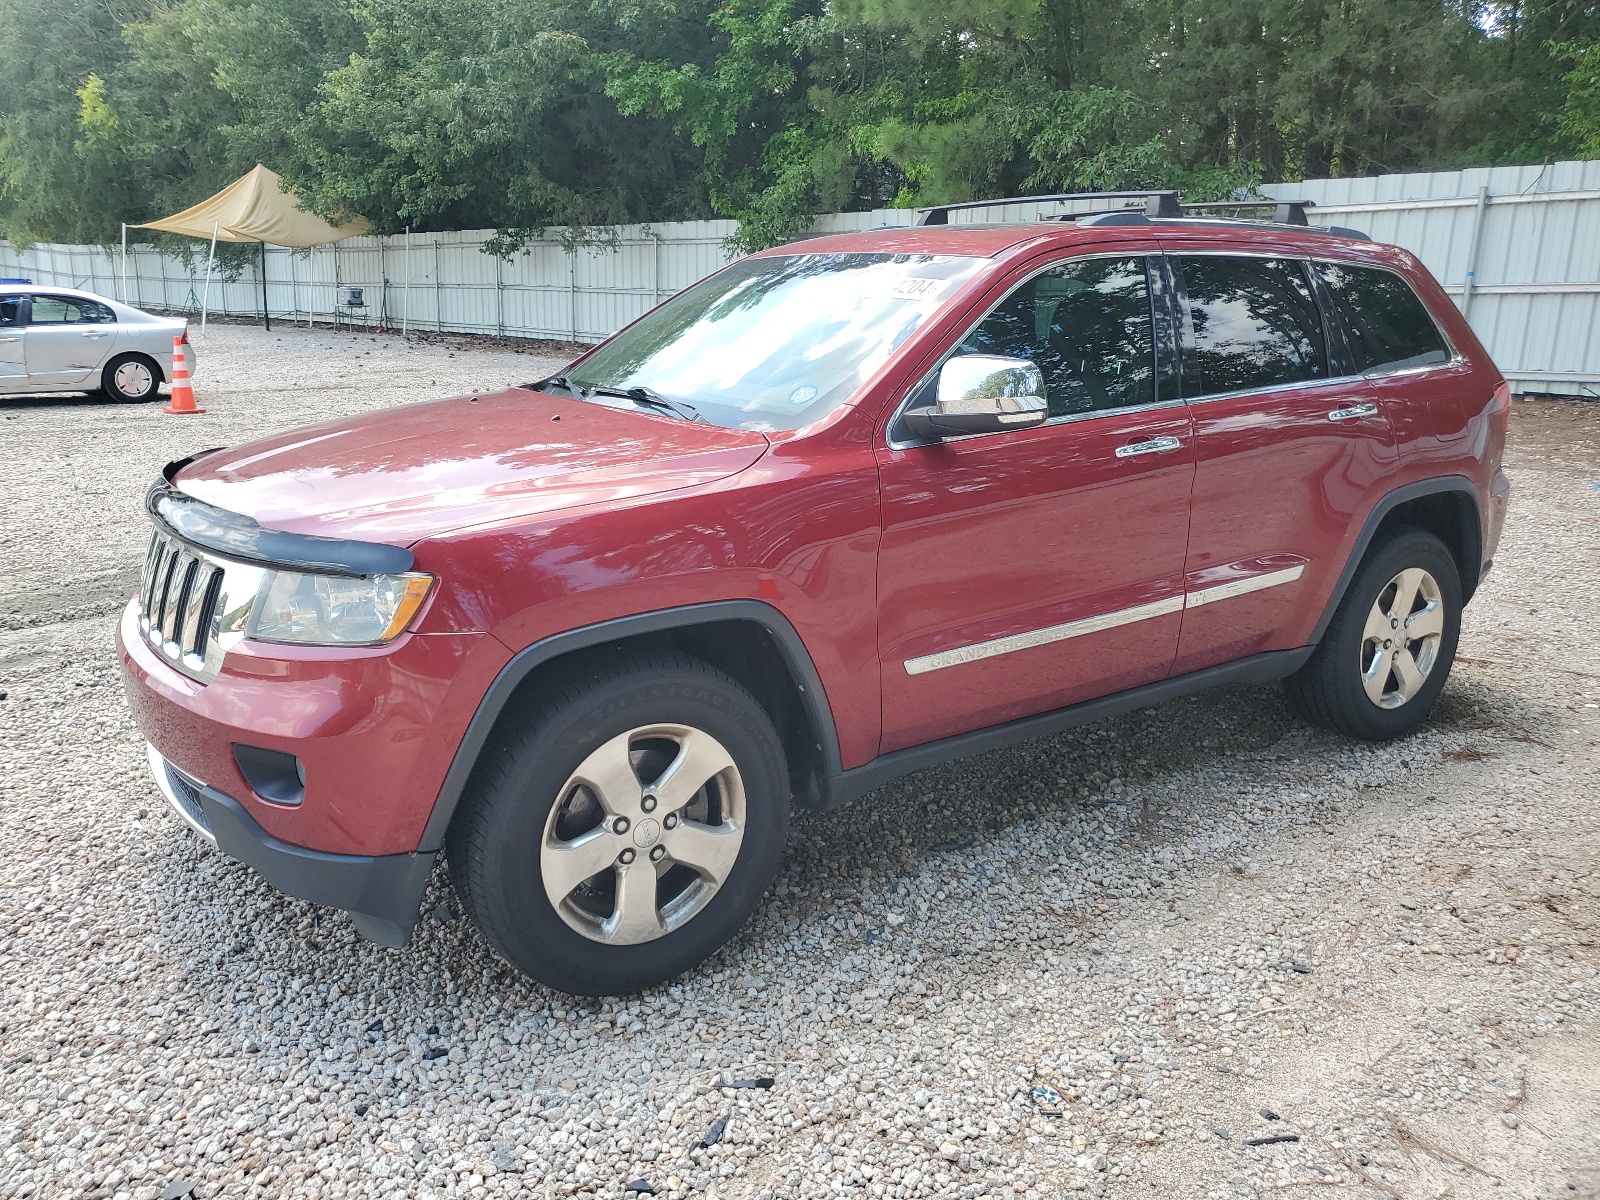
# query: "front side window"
[[777, 343], [1087, 325], [1386, 327], [1253, 323], [67, 310]]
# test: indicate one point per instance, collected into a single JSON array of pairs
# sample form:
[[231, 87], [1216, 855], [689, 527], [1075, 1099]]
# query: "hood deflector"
[[234, 535]]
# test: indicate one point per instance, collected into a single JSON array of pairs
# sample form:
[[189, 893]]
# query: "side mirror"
[[981, 393]]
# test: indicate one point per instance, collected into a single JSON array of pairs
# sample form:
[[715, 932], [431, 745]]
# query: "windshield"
[[776, 343]]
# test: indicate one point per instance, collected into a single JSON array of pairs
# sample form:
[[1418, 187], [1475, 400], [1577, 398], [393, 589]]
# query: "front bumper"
[[375, 730], [381, 892]]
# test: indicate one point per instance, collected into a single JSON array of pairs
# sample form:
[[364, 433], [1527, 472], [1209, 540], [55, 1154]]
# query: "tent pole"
[[123, 295], [405, 308], [205, 293], [266, 317]]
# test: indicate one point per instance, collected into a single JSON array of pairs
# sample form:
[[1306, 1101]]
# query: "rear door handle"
[[1160, 445], [1354, 412], [92, 333]]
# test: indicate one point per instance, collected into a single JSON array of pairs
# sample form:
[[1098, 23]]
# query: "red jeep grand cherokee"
[[846, 509]]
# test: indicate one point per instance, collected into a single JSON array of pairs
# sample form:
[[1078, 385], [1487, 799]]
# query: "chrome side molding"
[[1096, 624], [1042, 637]]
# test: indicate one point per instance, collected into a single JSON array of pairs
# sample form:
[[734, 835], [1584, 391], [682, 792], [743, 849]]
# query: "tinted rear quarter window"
[[1386, 327], [1253, 323]]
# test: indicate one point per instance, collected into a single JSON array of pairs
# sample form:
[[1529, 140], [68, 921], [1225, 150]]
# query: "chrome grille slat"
[[148, 573], [169, 580], [177, 593], [199, 602], [161, 584], [180, 592]]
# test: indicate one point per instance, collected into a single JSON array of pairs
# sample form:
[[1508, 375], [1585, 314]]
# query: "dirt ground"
[[1203, 925]]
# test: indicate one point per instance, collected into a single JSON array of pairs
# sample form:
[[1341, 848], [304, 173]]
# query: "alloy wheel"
[[643, 834], [1400, 642]]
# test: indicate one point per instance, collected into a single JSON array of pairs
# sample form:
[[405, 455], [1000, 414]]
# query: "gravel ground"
[[1202, 925]]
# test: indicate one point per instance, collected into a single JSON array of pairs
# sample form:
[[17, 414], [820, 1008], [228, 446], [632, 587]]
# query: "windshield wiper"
[[649, 398], [563, 381]]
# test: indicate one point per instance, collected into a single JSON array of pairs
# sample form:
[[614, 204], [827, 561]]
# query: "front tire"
[[131, 378], [626, 829], [1387, 652]]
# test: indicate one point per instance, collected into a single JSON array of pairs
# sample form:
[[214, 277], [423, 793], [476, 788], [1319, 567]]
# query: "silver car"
[[55, 339]]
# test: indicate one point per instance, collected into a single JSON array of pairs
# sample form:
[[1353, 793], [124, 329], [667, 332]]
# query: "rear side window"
[[68, 310], [1253, 323], [1386, 327]]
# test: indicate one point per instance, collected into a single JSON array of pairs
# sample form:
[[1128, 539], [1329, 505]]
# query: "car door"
[[1027, 570], [13, 320], [66, 340], [1385, 332], [1288, 453]]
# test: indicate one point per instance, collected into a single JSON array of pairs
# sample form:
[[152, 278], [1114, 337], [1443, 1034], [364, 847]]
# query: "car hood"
[[402, 474]]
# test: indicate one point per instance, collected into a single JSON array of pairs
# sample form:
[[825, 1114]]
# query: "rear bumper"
[[381, 892], [1495, 518]]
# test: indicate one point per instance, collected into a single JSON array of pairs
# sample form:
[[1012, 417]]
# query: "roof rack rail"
[[1284, 212], [1290, 212], [1157, 204]]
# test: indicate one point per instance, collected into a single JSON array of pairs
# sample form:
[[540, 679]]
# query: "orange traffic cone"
[[182, 402]]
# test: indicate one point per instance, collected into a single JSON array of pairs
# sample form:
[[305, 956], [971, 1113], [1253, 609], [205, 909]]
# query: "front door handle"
[[1160, 445], [1354, 412]]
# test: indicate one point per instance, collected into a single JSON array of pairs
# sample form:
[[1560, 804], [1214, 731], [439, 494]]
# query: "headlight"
[[336, 610]]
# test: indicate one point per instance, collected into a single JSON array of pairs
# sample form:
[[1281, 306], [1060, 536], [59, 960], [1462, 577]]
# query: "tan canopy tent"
[[256, 207]]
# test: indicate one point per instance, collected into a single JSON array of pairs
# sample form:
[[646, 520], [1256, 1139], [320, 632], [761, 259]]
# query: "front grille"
[[177, 601]]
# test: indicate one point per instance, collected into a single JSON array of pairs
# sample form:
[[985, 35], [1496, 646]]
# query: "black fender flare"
[[789, 643], [1472, 537]]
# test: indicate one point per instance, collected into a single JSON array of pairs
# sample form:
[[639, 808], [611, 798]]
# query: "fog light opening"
[[274, 775]]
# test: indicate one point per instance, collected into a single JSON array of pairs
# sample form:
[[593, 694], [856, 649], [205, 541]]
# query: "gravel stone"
[[1174, 919]]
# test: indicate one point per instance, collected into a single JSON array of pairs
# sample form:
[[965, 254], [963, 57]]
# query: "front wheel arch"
[[792, 693]]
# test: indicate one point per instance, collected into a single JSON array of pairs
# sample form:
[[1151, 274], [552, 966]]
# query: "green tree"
[[523, 114], [1579, 120], [473, 113], [50, 190]]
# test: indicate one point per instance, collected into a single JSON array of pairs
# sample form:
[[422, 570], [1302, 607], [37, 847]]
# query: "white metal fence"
[[1518, 247], [444, 282]]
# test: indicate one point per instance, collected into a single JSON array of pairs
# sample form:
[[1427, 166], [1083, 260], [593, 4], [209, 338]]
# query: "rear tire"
[[1387, 652], [589, 850], [131, 378]]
